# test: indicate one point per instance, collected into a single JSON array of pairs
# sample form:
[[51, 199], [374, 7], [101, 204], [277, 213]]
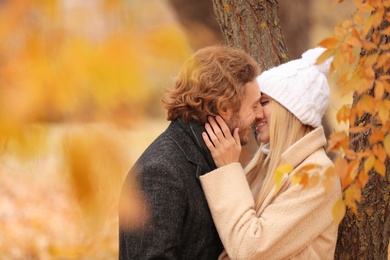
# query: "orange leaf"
[[386, 144], [341, 168], [380, 167], [357, 129], [385, 31], [329, 43], [338, 211], [329, 175], [369, 163], [363, 179], [379, 152], [379, 90], [353, 41], [338, 140], [376, 135], [358, 18], [378, 17], [364, 7], [368, 45]]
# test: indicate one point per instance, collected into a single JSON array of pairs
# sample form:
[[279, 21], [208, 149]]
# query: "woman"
[[260, 221]]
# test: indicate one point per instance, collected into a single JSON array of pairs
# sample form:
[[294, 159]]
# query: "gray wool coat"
[[180, 224]]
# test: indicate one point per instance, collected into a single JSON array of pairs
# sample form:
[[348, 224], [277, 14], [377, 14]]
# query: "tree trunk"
[[366, 235], [254, 26]]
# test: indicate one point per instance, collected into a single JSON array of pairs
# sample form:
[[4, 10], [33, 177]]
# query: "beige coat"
[[295, 224]]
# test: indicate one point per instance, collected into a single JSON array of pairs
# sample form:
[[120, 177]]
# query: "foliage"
[[361, 63], [75, 76]]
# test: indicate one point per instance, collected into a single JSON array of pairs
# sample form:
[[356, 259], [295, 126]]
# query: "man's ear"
[[226, 113]]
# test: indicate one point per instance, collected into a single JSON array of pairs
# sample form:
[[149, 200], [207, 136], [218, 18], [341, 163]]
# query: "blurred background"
[[80, 90]]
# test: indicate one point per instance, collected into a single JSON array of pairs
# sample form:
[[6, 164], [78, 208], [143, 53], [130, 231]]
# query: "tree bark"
[[254, 26], [366, 235]]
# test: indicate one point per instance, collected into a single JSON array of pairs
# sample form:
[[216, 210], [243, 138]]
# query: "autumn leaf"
[[369, 163], [351, 196], [337, 140], [367, 104], [363, 179], [329, 175], [281, 171], [330, 44], [338, 211], [380, 167], [343, 114], [383, 113], [379, 152], [386, 144], [341, 169]]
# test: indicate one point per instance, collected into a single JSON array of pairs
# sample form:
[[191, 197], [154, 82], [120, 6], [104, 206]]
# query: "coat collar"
[[304, 147], [188, 136]]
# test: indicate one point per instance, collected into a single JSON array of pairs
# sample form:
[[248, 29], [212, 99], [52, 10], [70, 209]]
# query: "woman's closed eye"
[[264, 101]]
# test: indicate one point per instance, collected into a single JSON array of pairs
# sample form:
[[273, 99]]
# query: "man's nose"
[[259, 112]]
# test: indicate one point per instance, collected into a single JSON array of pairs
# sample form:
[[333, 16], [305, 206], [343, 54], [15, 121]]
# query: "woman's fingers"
[[224, 127]]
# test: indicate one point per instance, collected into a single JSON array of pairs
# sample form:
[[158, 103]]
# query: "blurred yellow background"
[[80, 89]]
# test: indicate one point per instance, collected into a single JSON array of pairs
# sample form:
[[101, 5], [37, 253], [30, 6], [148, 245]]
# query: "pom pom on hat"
[[300, 86]]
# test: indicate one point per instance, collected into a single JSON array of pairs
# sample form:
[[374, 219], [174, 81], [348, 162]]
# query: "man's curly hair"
[[210, 81]]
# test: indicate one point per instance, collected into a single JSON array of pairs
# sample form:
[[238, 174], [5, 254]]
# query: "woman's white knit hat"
[[300, 86]]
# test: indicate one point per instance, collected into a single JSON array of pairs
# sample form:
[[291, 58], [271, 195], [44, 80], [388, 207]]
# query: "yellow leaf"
[[386, 144], [383, 113], [369, 163], [353, 193], [338, 211], [378, 17], [279, 174], [366, 104], [343, 114], [380, 167], [324, 56], [367, 26]]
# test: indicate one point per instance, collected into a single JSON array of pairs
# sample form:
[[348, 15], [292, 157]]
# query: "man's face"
[[249, 112]]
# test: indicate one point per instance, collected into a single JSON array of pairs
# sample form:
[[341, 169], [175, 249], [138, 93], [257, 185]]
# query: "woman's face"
[[262, 126]]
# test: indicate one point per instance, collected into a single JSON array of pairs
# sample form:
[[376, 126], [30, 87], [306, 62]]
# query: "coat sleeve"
[[159, 236], [284, 228]]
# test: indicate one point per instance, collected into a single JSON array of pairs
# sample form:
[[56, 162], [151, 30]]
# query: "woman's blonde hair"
[[285, 129], [211, 81]]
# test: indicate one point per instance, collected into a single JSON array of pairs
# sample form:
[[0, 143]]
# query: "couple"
[[202, 204]]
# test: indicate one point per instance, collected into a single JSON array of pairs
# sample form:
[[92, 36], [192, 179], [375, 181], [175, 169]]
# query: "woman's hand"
[[224, 148]]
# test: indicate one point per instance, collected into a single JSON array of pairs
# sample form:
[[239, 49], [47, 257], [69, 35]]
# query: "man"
[[216, 80]]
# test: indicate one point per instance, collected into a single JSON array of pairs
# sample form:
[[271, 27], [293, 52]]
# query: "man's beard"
[[234, 123]]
